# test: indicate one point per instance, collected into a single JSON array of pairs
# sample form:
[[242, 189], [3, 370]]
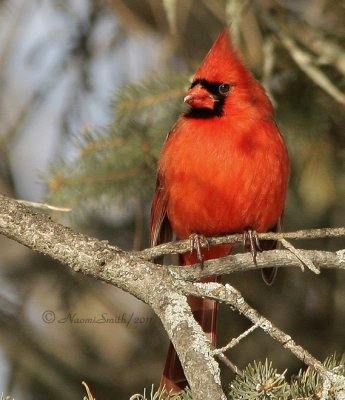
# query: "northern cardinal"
[[224, 169]]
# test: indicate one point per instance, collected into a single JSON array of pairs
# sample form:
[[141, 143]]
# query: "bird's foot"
[[196, 240], [251, 242]]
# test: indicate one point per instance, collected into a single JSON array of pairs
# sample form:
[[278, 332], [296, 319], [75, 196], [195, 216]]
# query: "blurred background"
[[89, 90]]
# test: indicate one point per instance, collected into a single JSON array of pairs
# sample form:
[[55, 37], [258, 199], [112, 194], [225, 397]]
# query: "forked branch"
[[166, 289]]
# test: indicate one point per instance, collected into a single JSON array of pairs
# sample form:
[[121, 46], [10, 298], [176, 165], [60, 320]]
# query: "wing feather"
[[160, 231]]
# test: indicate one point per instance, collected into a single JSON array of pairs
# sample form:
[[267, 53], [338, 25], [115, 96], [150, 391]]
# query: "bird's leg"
[[195, 241], [251, 242]]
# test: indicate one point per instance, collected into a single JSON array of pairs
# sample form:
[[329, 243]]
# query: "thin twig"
[[235, 341], [234, 10], [304, 260], [225, 360], [329, 52], [139, 223], [229, 295], [88, 391], [268, 66], [183, 246], [43, 206], [303, 59]]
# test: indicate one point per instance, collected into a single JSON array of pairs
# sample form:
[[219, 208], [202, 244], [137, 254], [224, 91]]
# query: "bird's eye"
[[224, 88]]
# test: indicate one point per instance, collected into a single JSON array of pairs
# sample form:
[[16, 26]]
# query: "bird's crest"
[[223, 64]]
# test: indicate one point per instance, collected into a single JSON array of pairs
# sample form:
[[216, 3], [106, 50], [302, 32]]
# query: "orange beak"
[[199, 97]]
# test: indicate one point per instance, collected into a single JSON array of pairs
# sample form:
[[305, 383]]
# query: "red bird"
[[223, 169]]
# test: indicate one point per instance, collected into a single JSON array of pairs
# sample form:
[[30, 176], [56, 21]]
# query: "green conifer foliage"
[[261, 381], [118, 162]]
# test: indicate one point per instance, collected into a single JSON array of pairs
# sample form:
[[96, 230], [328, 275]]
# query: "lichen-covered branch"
[[151, 283], [267, 259], [229, 295], [184, 245], [166, 289]]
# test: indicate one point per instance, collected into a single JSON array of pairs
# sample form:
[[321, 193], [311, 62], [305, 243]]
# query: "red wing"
[[161, 230]]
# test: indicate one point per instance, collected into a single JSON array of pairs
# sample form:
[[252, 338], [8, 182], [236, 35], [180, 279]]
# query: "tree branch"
[[304, 59], [229, 295], [267, 259], [148, 282], [166, 289], [183, 246]]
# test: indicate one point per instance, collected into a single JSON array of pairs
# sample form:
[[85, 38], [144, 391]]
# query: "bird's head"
[[222, 86]]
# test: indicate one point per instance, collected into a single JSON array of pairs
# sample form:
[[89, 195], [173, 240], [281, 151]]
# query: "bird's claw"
[[251, 242], [196, 241]]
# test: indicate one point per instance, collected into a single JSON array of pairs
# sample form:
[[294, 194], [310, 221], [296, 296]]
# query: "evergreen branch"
[[149, 92], [308, 383], [229, 295], [93, 180], [125, 152], [149, 100], [161, 394], [260, 382], [106, 144]]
